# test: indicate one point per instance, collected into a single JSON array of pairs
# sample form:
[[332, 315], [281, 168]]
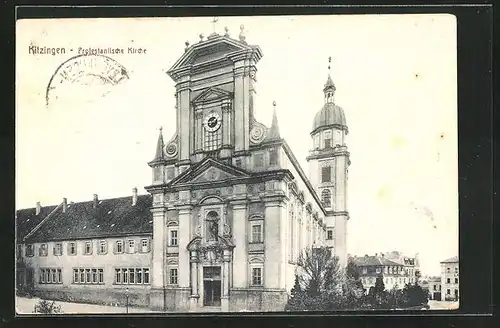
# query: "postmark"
[[85, 77]]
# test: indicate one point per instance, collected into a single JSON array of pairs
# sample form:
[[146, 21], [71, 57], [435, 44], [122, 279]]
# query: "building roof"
[[453, 259], [329, 85], [330, 114], [27, 219], [111, 217], [374, 261]]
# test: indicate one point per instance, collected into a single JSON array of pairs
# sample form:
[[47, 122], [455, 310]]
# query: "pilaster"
[[275, 243], [240, 258], [184, 237], [158, 249]]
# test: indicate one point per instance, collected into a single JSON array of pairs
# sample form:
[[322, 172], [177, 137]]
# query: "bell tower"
[[214, 91], [328, 167]]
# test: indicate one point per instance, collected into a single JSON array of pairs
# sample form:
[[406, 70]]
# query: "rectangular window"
[[101, 276], [118, 276], [326, 174], [131, 275], [138, 276], [82, 276], [88, 247], [173, 277], [144, 245], [448, 292], [119, 246], [58, 249], [43, 250], [456, 280], [173, 238], [256, 276], [72, 248], [257, 233], [328, 143], [88, 277], [329, 234], [131, 246], [448, 280], [125, 276], [448, 270], [29, 250], [54, 276], [94, 276], [75, 276], [103, 247], [435, 287]]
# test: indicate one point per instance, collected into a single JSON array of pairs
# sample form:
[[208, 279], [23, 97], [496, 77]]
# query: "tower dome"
[[330, 114]]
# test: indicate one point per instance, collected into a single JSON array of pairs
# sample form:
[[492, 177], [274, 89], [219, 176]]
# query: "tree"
[[318, 282], [378, 296], [46, 307], [415, 295], [296, 300]]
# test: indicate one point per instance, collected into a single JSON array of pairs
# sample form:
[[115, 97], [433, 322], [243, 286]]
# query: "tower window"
[[326, 198], [212, 140], [328, 143], [326, 174]]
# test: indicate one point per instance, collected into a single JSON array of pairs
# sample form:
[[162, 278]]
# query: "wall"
[[109, 292]]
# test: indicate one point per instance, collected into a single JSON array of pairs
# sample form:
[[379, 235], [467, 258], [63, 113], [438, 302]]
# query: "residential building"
[[370, 267], [411, 264], [434, 287], [229, 207], [450, 279]]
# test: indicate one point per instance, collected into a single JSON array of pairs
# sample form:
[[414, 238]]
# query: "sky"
[[396, 80]]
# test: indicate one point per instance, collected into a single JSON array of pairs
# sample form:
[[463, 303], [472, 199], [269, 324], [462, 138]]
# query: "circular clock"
[[212, 122]]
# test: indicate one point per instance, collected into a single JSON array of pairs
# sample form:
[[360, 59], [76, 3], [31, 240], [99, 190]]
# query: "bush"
[[46, 307]]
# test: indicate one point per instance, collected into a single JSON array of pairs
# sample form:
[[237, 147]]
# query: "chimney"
[[376, 254], [134, 196], [96, 200], [366, 255], [382, 254], [38, 208], [64, 205]]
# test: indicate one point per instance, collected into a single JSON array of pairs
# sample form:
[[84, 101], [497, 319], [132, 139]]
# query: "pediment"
[[209, 50], [211, 94], [209, 171]]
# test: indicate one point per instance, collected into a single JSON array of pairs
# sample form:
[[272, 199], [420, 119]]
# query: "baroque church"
[[227, 213]]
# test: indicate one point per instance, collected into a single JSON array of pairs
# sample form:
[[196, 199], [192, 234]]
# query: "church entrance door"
[[211, 286]]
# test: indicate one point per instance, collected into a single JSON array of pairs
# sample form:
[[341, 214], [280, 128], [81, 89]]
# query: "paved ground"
[[26, 306], [443, 305]]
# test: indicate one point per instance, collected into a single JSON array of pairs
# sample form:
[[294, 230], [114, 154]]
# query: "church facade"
[[227, 213]]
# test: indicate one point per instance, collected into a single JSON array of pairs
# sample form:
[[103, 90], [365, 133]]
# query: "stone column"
[[240, 262], [184, 237], [193, 304]]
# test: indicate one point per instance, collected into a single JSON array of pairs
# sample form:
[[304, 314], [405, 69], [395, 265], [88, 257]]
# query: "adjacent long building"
[[227, 212]]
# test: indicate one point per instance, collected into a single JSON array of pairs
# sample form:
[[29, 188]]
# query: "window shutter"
[[54, 249], [115, 247]]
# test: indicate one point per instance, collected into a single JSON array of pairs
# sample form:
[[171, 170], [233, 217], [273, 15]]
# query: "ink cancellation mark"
[[96, 73]]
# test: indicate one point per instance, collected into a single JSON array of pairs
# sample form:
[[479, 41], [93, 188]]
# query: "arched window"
[[326, 198]]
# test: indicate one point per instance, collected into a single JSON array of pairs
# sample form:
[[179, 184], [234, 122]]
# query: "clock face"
[[212, 122]]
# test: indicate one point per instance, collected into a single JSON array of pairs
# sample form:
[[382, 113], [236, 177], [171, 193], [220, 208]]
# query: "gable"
[[207, 51], [211, 94], [207, 171]]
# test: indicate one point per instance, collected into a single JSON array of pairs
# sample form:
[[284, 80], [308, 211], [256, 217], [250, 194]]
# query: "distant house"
[[370, 267], [450, 279]]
